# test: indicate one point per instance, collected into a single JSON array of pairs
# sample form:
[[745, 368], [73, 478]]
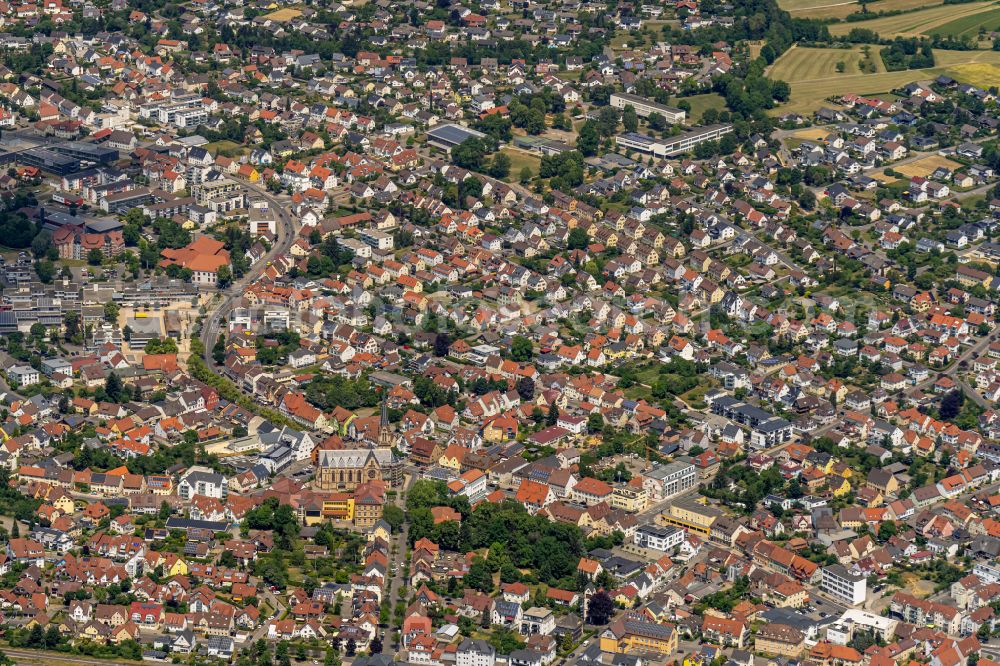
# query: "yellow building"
[[839, 486], [64, 503], [628, 636], [177, 567], [368, 507], [629, 498], [379, 531], [452, 457], [790, 594], [690, 515]]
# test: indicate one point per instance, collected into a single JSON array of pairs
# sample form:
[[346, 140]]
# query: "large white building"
[[647, 107], [842, 585], [202, 481], [664, 481], [673, 145], [659, 537]]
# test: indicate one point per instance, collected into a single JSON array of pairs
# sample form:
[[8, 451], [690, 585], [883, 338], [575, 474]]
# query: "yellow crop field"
[[283, 15], [812, 134], [983, 75], [925, 166]]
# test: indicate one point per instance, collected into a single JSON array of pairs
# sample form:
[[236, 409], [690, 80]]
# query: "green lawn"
[[520, 159], [701, 103], [225, 147]]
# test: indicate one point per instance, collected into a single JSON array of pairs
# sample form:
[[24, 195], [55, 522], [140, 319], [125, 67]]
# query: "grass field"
[[839, 9], [915, 23], [284, 14], [701, 103], [969, 26], [227, 148], [520, 159]]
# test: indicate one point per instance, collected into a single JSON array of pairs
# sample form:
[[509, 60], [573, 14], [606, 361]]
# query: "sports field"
[[969, 26], [913, 24], [838, 9]]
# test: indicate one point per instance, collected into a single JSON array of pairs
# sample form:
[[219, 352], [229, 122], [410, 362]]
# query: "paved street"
[[285, 236], [398, 587]]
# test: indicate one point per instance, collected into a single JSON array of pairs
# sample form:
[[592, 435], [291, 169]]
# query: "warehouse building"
[[449, 135]]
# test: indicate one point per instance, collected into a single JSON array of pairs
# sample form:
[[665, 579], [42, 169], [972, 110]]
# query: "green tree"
[[887, 530], [630, 121], [500, 166], [394, 516], [224, 277], [71, 322], [595, 422], [553, 416], [111, 311], [479, 576], [45, 270], [469, 154], [95, 257], [41, 243], [588, 139], [521, 349], [578, 239], [219, 349]]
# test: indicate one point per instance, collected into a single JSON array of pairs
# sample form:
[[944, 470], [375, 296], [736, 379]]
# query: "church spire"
[[384, 433]]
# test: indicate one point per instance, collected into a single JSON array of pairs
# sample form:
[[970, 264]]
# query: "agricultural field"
[[970, 25], [813, 76], [925, 166], [807, 64], [284, 15], [979, 68], [838, 9], [983, 75], [812, 134], [914, 24]]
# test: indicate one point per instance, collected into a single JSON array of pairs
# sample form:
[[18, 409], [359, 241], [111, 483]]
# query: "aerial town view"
[[500, 332]]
